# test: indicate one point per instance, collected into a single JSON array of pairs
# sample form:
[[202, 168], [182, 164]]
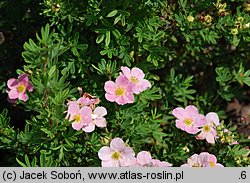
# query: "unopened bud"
[[234, 31], [208, 19], [190, 18]]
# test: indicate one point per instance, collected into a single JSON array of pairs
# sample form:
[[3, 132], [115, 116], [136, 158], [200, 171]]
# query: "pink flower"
[[144, 159], [17, 88], [135, 76], [193, 161], [80, 117], [119, 91], [208, 131], [117, 155], [158, 163], [188, 119], [97, 119], [212, 161], [204, 159]]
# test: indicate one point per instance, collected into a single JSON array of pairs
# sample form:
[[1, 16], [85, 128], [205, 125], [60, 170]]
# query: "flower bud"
[[208, 19], [190, 18], [234, 31]]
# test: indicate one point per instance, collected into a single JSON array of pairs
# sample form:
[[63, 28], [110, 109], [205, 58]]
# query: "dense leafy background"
[[193, 52]]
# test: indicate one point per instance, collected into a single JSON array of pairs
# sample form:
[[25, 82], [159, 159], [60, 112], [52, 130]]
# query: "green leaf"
[[52, 71], [247, 81], [20, 163], [112, 13], [100, 38], [42, 158], [27, 161], [107, 39]]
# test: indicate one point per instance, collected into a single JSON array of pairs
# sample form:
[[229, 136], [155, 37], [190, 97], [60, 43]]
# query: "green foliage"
[[192, 52]]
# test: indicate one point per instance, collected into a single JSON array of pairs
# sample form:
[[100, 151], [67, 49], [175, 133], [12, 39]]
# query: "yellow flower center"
[[21, 88], [134, 79], [212, 164], [206, 128], [116, 156], [188, 122], [119, 91], [77, 118]]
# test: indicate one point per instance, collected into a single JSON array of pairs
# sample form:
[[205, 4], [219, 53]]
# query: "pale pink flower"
[[80, 117], [136, 77], [188, 119], [208, 131], [204, 159], [193, 161], [213, 118], [97, 119], [144, 158], [17, 88], [119, 91], [212, 161], [158, 163], [117, 155]]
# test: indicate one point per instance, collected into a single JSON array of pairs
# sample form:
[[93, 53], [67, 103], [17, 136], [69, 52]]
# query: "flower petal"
[[13, 94], [89, 128], [105, 153], [110, 163], [117, 144], [23, 78], [12, 83], [77, 126], [191, 110], [121, 100], [138, 73], [126, 71], [144, 157], [212, 117], [180, 113], [110, 97], [23, 96], [122, 80], [100, 111], [101, 122], [110, 87]]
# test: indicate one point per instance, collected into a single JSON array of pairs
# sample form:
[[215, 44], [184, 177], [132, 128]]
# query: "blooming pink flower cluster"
[[84, 115], [128, 83], [17, 88], [119, 155], [192, 122], [203, 159]]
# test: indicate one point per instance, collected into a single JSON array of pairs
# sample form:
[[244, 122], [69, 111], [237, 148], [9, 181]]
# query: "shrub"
[[192, 53]]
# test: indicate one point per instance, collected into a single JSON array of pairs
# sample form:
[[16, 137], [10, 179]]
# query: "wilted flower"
[[85, 101], [119, 91], [117, 155], [17, 88]]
